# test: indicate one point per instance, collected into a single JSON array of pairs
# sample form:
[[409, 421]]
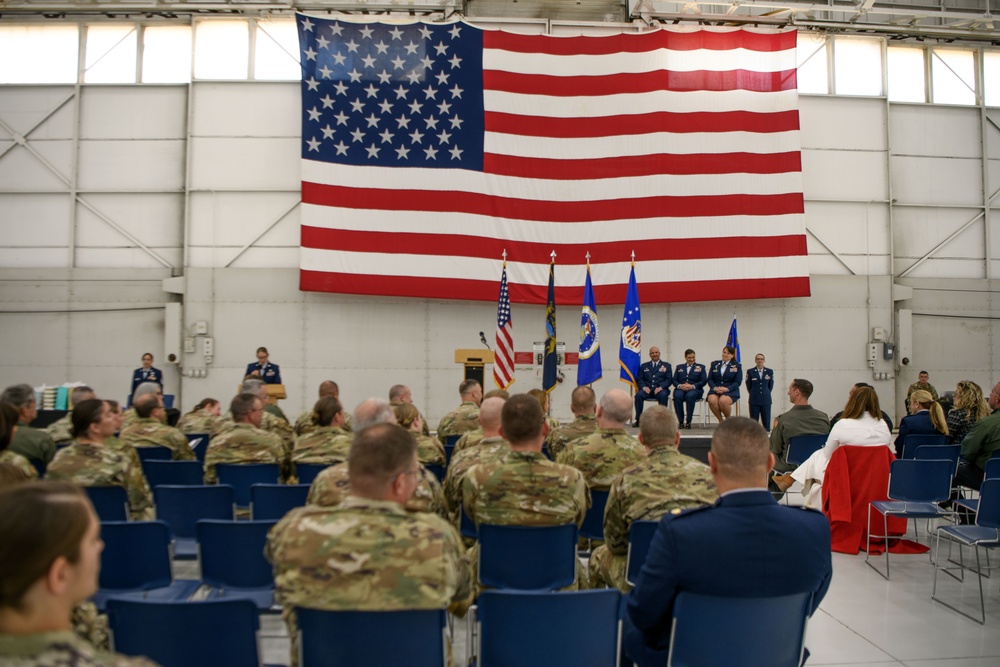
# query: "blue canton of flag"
[[629, 353], [589, 368], [734, 339], [391, 95]]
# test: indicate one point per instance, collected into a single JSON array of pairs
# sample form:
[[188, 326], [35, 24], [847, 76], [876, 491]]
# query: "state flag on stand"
[[588, 368]]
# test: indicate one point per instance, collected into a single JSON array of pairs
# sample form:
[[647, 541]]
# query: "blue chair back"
[[759, 631], [232, 553], [992, 470], [110, 502], [920, 481], [270, 502], [185, 473], [800, 447], [437, 470], [168, 401], [155, 453], [449, 449], [451, 440], [136, 555], [640, 536], [920, 440], [307, 472], [466, 527], [199, 443], [527, 557], [593, 523], [181, 507], [412, 638], [931, 452], [40, 466], [988, 515], [534, 629], [242, 476], [216, 633]]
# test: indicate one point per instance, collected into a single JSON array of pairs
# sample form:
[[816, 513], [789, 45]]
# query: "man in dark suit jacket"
[[760, 382], [654, 380], [746, 545]]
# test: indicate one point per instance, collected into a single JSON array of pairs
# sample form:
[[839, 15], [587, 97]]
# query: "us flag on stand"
[[428, 149], [503, 350]]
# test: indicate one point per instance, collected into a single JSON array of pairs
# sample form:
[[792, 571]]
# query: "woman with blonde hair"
[[429, 450], [926, 418], [970, 407]]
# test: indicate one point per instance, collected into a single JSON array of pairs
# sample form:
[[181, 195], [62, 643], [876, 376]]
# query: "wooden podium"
[[474, 361], [275, 392]]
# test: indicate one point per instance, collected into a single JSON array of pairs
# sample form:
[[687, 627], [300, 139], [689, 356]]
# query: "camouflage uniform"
[[666, 481], [524, 489], [201, 421], [560, 436], [19, 462], [488, 450], [332, 485], [468, 440], [59, 649], [463, 418], [274, 425], [32, 443], [128, 418], [61, 430], [272, 409], [244, 443], [603, 455], [324, 444], [429, 450], [100, 465], [128, 450], [91, 626], [305, 424], [151, 432], [367, 555]]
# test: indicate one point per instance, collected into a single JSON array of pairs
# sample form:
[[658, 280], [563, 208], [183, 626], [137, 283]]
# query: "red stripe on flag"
[[665, 206], [489, 248], [641, 42], [625, 125], [638, 82], [642, 165], [485, 290]]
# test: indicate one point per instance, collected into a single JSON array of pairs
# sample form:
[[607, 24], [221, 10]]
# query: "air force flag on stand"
[[589, 368], [630, 351]]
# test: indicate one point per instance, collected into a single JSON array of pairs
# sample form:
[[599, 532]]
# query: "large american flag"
[[429, 149]]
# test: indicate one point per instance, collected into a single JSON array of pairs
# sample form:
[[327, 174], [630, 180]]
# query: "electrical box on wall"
[[888, 351], [872, 352], [879, 334]]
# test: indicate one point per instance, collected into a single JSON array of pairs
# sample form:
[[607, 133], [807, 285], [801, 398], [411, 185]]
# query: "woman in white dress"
[[861, 424]]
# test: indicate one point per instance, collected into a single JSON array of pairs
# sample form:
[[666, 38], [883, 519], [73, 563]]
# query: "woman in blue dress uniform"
[[264, 369], [724, 381], [146, 374]]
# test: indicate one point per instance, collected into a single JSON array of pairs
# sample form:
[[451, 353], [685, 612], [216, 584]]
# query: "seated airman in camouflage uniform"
[[463, 418], [61, 430], [524, 488], [400, 394], [602, 455], [327, 442], [584, 406], [429, 450], [144, 389], [243, 441], [368, 553], [492, 447], [305, 424], [31, 443], [8, 422], [150, 429], [268, 422], [89, 461], [205, 418], [666, 481]]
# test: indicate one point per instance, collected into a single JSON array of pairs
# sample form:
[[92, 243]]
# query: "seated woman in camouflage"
[[8, 424], [328, 443], [50, 551], [429, 450], [205, 418]]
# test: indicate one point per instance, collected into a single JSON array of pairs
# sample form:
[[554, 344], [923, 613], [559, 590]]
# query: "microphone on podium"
[[482, 339]]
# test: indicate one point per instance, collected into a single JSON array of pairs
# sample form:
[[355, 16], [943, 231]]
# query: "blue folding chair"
[[527, 557], [307, 472], [183, 506], [915, 489], [199, 443], [947, 452], [759, 631], [135, 563], [801, 447], [184, 473], [538, 629], [110, 502], [40, 466], [242, 476], [270, 502], [593, 522], [992, 471], [466, 527], [216, 633], [154, 453], [232, 561], [640, 536], [985, 533], [915, 440], [412, 638], [437, 470]]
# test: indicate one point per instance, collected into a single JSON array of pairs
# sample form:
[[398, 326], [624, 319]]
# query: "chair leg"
[[982, 600], [885, 538]]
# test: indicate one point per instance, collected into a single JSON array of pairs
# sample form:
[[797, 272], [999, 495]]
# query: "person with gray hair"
[[372, 411], [144, 389], [61, 430], [605, 453], [275, 424], [745, 545], [31, 443]]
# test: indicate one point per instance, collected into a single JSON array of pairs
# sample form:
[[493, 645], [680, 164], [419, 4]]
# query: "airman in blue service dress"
[[141, 375], [760, 382], [269, 373], [654, 382], [689, 387]]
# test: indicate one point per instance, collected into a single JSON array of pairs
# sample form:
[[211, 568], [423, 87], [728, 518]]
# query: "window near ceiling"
[[110, 53], [991, 78], [166, 54], [812, 74], [953, 76], [39, 53], [276, 52], [221, 49], [905, 69], [857, 66]]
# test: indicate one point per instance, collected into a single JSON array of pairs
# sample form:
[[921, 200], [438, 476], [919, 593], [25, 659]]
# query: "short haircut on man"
[[521, 418], [242, 405], [146, 405], [377, 455], [253, 386], [740, 447], [396, 392], [83, 392], [688, 351], [805, 387], [489, 412], [372, 411], [583, 399], [658, 427], [616, 405], [328, 388], [18, 395], [497, 393], [467, 386], [145, 389]]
